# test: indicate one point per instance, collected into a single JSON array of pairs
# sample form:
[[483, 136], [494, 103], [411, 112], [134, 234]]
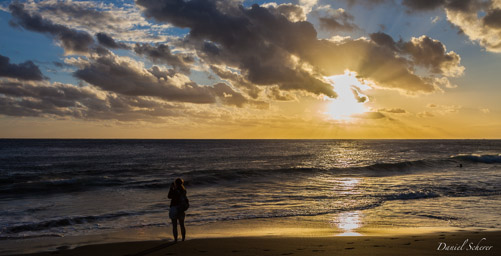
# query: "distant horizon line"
[[53, 138]]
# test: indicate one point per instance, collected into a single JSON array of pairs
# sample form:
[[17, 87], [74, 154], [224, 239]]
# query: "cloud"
[[456, 5], [480, 20], [275, 94], [161, 53], [484, 110], [370, 115], [443, 109], [393, 110], [493, 19], [308, 5], [292, 12], [128, 77], [424, 51], [123, 23], [23, 71], [268, 49], [73, 41], [338, 20], [237, 80], [425, 114], [248, 39], [432, 54], [358, 96], [485, 30], [57, 100], [370, 61], [125, 76], [108, 41]]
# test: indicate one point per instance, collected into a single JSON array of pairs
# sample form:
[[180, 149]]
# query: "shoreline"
[[251, 233], [385, 244]]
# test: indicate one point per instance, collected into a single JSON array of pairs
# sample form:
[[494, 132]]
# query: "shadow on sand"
[[154, 249]]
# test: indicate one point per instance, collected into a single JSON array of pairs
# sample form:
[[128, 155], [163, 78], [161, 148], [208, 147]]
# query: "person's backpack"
[[184, 202]]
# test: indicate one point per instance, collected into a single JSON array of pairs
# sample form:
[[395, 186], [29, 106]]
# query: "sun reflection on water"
[[348, 222]]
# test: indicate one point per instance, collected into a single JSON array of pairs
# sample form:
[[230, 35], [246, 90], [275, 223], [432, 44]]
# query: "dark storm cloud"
[[69, 101], [24, 71], [254, 40], [270, 49], [161, 53], [73, 41], [108, 41]]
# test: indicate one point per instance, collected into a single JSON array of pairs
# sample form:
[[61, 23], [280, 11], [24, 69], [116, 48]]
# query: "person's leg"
[[174, 229], [183, 229]]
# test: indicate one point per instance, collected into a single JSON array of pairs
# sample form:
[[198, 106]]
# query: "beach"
[[68, 196], [282, 236], [439, 243]]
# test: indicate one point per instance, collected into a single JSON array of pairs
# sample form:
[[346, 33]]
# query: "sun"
[[351, 100]]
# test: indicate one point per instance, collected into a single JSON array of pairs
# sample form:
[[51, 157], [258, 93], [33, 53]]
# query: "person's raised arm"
[[171, 191]]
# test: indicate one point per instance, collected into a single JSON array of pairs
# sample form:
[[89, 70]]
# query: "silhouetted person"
[[178, 205]]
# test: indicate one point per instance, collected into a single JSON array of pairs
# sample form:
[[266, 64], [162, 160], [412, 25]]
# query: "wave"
[[67, 221], [477, 158], [57, 185], [15, 185]]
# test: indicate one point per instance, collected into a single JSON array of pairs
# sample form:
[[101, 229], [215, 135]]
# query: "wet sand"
[[458, 243]]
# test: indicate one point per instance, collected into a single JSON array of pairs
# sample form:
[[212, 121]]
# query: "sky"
[[233, 69]]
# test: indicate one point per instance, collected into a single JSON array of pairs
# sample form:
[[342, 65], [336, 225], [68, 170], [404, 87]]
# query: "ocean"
[[56, 188]]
